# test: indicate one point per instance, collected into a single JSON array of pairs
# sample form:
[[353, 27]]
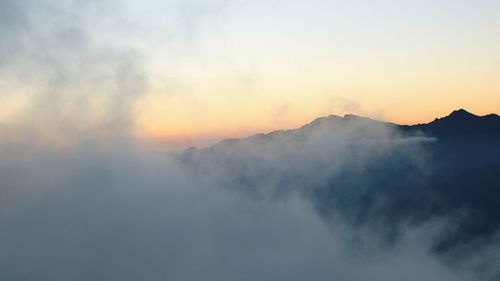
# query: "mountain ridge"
[[459, 123], [373, 172]]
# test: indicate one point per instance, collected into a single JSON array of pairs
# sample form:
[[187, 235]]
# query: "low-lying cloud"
[[104, 212]]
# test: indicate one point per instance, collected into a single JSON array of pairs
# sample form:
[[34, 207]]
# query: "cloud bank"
[[101, 212]]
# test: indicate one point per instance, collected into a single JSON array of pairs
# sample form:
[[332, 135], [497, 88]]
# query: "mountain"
[[372, 172], [461, 123]]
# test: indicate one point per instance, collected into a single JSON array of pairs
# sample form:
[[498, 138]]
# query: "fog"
[[81, 198], [106, 210]]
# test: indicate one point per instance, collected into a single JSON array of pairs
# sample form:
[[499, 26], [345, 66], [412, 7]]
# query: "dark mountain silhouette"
[[461, 123], [373, 172]]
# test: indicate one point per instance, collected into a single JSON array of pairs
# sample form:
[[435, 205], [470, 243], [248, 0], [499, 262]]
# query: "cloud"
[[79, 67], [121, 212], [72, 83]]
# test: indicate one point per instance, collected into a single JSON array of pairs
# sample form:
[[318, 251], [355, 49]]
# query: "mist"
[[104, 211], [83, 198]]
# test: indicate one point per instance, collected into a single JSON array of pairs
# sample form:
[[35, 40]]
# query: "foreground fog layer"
[[111, 210]]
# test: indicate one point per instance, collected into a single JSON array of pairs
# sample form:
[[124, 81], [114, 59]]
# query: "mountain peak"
[[352, 116], [463, 123], [461, 113]]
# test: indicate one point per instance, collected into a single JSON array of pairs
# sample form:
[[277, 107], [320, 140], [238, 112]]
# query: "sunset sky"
[[191, 72]]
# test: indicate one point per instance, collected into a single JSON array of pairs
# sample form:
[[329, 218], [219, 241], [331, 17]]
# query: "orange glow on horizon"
[[179, 136]]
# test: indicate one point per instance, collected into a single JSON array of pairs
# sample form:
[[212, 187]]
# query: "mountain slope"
[[461, 123], [458, 124], [373, 172]]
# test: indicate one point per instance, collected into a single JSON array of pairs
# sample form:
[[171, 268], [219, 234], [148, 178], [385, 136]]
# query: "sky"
[[192, 72]]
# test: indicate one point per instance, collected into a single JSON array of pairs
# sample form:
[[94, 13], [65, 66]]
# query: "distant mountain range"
[[458, 124], [373, 172]]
